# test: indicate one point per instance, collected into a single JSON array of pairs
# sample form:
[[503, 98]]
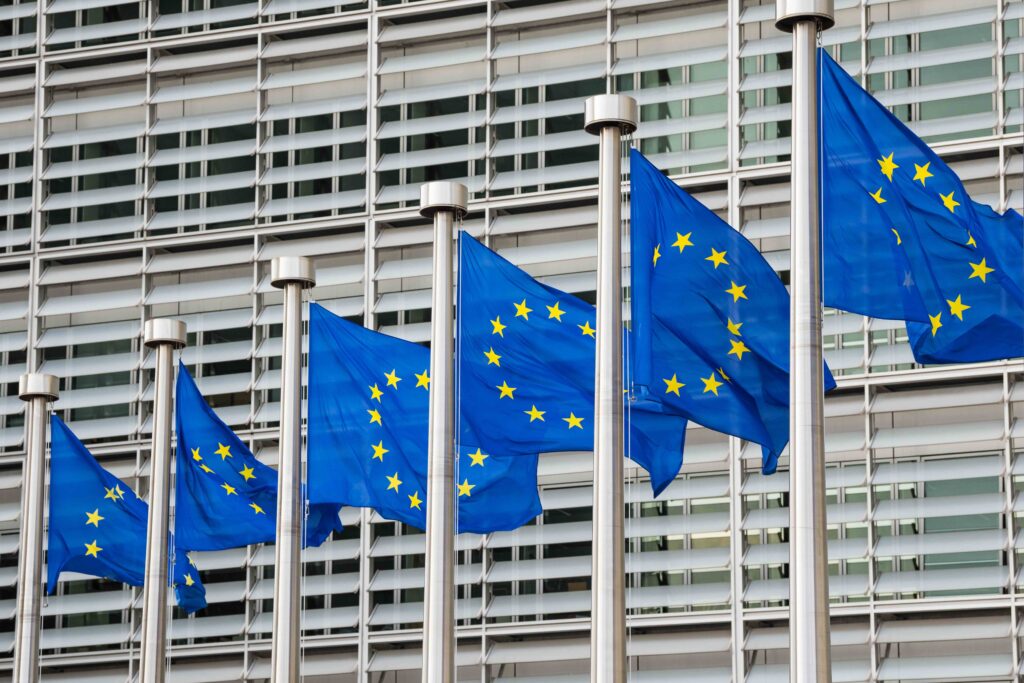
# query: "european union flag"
[[527, 368], [710, 316], [98, 524], [368, 435], [903, 240], [225, 497]]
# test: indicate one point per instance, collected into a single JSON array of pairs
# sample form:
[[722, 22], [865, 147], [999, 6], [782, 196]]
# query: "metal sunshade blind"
[[92, 130], [197, 124], [411, 76], [16, 114], [326, 84]]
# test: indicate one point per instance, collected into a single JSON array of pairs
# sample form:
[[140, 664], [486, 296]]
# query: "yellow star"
[[120, 493], [414, 500], [587, 330], [535, 414], [711, 384], [375, 392], [574, 421], [724, 376], [379, 450], [657, 254], [936, 322], [505, 390], [717, 257], [980, 270], [94, 518], [465, 487], [922, 173], [393, 482], [247, 472], [492, 357], [682, 241], [734, 328], [205, 468], [555, 312], [949, 202], [257, 509], [195, 455], [737, 291], [522, 310], [229, 489], [375, 417], [738, 349], [189, 581], [888, 166], [422, 380], [393, 378], [957, 307], [877, 196], [477, 458], [970, 241], [111, 494], [673, 385], [899, 240], [497, 328], [92, 549], [223, 451]]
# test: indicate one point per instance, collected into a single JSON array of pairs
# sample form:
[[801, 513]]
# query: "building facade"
[[155, 155]]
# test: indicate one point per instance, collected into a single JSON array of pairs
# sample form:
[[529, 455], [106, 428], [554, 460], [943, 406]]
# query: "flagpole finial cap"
[[788, 13], [38, 385], [164, 331], [286, 269], [443, 195], [601, 111]]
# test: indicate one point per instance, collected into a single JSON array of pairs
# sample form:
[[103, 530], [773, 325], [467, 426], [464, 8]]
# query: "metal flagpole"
[[164, 336], [809, 649], [292, 274], [444, 201], [36, 390], [609, 117]]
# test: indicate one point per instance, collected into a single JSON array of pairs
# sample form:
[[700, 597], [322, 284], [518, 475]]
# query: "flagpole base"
[[38, 385], [788, 13], [164, 331]]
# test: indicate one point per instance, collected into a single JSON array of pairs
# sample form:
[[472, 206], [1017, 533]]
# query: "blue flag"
[[527, 368], [710, 316], [98, 524], [225, 497], [368, 435], [903, 240]]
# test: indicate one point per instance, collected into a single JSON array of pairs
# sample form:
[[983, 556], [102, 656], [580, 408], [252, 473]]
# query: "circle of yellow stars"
[[957, 307]]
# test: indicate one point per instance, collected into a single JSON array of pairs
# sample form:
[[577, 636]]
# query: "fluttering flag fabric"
[[98, 524], [368, 411], [225, 497], [527, 369], [710, 316], [903, 240]]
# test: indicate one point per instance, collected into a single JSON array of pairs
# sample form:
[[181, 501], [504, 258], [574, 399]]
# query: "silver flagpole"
[[36, 390], [609, 117], [444, 201], [809, 650], [164, 336], [292, 274]]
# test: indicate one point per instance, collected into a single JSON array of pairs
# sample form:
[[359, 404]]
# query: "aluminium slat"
[[102, 134], [938, 469], [87, 271], [216, 214], [105, 164], [94, 301], [167, 22], [316, 202], [18, 11], [545, 12], [466, 23], [203, 89], [82, 198], [670, 26], [550, 43], [108, 29], [314, 171], [107, 71], [336, 41], [200, 121], [192, 153], [940, 506], [955, 667], [173, 262], [205, 183], [322, 74], [187, 61], [434, 60], [90, 229], [320, 138]]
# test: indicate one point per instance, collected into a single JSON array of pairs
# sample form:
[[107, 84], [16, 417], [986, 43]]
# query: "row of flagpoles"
[[897, 245], [608, 117]]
